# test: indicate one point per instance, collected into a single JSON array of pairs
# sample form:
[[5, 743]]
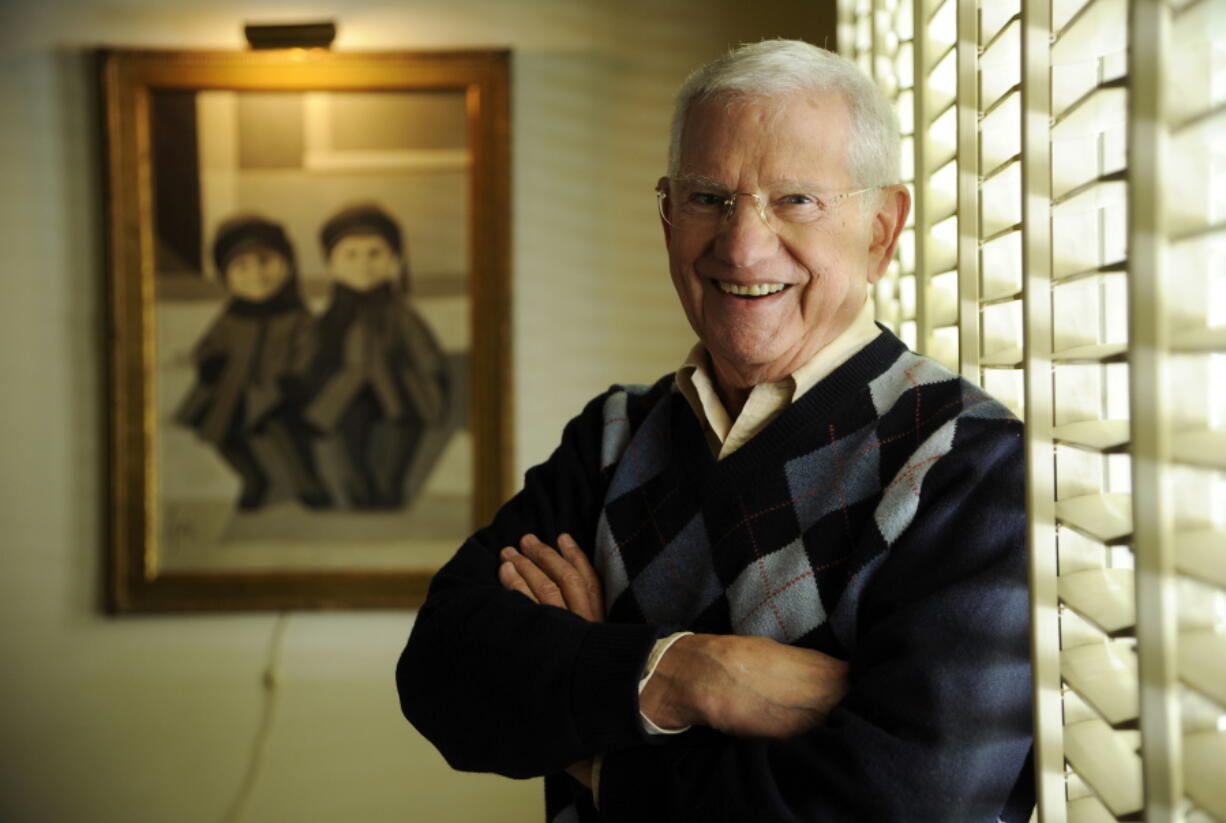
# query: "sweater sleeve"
[[501, 684], [936, 725]]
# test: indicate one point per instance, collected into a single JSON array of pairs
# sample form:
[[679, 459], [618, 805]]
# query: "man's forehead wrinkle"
[[735, 142]]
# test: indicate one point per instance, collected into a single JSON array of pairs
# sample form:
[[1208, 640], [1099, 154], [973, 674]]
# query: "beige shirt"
[[696, 380]]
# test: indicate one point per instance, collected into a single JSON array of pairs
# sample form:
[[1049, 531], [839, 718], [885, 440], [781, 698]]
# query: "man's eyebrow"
[[798, 185], [703, 181], [787, 185]]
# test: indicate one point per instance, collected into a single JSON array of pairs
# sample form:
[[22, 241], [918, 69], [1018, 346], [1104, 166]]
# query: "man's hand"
[[744, 686], [563, 578]]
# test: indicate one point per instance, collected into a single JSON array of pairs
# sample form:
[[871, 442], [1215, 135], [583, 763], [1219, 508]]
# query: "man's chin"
[[749, 364]]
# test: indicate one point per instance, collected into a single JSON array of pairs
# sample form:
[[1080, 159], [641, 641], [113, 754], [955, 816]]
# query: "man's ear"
[[888, 224], [666, 204]]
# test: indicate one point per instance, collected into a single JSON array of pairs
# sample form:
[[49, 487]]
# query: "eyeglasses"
[[700, 204]]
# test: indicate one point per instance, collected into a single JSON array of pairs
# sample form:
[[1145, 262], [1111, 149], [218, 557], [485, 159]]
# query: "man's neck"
[[735, 385]]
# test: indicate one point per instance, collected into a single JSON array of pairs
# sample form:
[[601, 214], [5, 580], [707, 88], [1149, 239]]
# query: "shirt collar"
[[696, 377]]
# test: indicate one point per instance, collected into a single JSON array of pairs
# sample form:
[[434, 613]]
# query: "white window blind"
[[881, 42], [1068, 161]]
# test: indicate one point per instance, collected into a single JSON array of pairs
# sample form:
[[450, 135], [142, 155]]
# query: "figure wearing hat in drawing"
[[380, 379], [250, 361]]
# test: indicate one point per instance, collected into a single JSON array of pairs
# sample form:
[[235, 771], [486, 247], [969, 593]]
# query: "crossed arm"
[[743, 686], [515, 674]]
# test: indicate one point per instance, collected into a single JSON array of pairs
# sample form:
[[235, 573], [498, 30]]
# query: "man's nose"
[[745, 236]]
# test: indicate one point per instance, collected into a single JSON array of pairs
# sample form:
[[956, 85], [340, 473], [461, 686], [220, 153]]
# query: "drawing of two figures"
[[367, 373]]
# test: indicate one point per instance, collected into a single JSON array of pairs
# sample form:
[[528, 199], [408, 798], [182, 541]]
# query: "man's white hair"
[[778, 68]]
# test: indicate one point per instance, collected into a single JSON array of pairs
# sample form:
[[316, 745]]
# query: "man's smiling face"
[[764, 302]]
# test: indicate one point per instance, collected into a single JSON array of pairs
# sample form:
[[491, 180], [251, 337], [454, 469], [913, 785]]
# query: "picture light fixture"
[[291, 36]]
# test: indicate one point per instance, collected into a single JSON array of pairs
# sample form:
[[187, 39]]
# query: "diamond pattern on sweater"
[[609, 563], [645, 455], [777, 596], [909, 371], [679, 582], [616, 432], [788, 544], [901, 497], [975, 403], [835, 476]]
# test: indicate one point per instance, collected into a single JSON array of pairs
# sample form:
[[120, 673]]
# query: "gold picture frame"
[[231, 485]]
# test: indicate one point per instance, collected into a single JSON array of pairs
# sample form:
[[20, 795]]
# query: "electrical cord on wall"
[[255, 760]]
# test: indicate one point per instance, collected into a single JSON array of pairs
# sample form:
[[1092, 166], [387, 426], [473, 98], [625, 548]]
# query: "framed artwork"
[[308, 305]]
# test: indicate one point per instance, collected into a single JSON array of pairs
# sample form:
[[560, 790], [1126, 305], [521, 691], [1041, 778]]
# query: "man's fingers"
[[562, 578], [543, 589], [562, 572], [591, 581], [513, 580]]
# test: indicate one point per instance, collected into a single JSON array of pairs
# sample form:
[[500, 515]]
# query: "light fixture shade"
[[291, 36]]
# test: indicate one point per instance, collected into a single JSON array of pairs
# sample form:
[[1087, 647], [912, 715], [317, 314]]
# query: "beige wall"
[[153, 718]]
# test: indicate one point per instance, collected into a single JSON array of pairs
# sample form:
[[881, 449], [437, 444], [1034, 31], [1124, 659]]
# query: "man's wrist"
[[671, 698], [653, 661]]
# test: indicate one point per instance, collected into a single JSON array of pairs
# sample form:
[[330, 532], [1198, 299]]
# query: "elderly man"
[[788, 581]]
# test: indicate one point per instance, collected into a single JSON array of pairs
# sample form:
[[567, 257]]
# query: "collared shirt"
[[696, 380]]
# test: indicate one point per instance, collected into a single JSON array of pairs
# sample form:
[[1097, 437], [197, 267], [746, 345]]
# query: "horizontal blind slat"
[[1102, 596], [1098, 28], [991, 107], [1001, 268], [996, 292], [1010, 358], [1062, 11], [1089, 810], [1097, 353], [1106, 436], [1105, 675], [943, 139], [1099, 189], [1202, 554], [942, 87], [942, 245], [942, 27], [943, 299], [1202, 664], [1203, 756], [1001, 199], [1200, 448], [1006, 164], [943, 192], [1107, 517], [1106, 763], [1200, 340], [994, 18], [1105, 103], [1117, 267], [1000, 64]]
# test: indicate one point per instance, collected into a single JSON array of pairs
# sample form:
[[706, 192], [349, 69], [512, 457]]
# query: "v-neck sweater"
[[879, 519]]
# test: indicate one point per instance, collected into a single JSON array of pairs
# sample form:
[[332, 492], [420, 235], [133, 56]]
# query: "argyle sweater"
[[879, 519]]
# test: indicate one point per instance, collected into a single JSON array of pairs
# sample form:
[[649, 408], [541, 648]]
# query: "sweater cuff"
[[604, 685]]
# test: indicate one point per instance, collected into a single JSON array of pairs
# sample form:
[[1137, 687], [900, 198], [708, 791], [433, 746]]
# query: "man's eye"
[[798, 208], [706, 200], [799, 200]]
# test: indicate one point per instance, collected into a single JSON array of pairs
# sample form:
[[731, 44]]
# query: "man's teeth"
[[752, 289]]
